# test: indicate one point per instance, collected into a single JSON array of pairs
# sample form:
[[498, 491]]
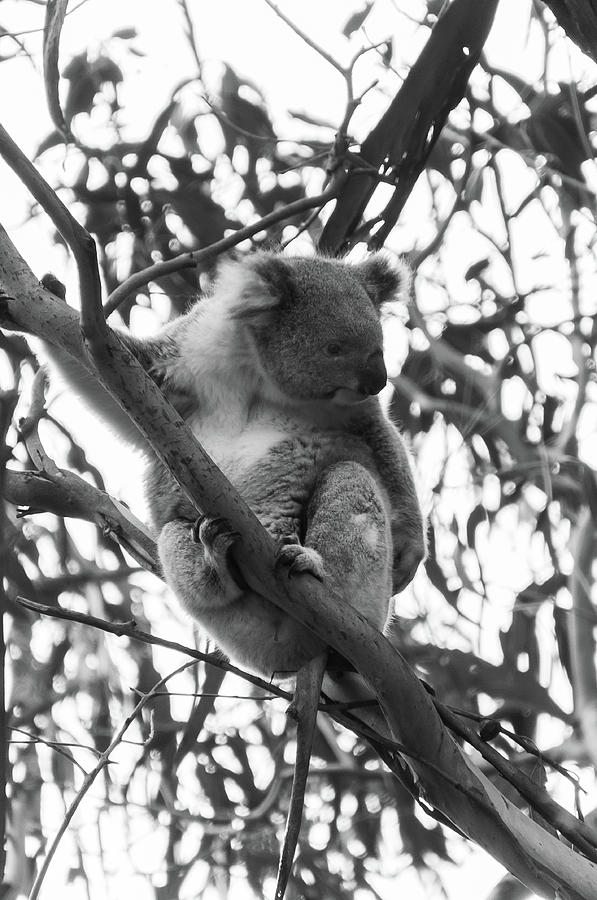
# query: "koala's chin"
[[346, 396]]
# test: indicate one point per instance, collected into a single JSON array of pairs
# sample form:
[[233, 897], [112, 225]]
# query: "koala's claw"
[[217, 538], [195, 526], [298, 560], [215, 534]]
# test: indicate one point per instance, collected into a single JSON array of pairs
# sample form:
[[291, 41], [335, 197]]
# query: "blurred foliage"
[[496, 390]]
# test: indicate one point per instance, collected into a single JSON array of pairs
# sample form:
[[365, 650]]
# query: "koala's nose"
[[375, 375]]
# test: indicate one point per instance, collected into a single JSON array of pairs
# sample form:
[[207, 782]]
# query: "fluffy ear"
[[384, 279], [254, 286]]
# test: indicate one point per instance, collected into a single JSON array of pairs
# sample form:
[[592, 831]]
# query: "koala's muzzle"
[[374, 376]]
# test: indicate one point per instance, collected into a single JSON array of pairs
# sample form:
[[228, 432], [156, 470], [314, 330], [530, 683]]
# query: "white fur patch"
[[209, 345], [235, 445], [368, 532]]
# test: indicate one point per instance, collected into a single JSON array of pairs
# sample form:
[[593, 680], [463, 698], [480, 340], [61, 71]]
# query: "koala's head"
[[315, 323]]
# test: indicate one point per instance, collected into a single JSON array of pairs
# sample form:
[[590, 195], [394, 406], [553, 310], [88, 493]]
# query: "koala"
[[277, 372]]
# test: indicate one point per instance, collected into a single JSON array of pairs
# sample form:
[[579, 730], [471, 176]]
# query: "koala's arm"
[[157, 355], [88, 387], [408, 526]]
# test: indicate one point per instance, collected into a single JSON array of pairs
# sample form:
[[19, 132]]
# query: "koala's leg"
[[408, 525], [250, 629], [348, 539], [195, 562]]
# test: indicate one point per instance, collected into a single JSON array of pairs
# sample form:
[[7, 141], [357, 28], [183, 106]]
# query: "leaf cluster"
[[496, 389]]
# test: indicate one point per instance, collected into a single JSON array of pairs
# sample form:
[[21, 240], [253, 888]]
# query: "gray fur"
[[276, 373]]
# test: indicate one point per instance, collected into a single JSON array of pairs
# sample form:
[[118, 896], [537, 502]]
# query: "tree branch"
[[581, 624], [446, 774], [77, 238], [190, 260], [102, 762], [8, 401], [309, 41], [130, 630], [66, 494]]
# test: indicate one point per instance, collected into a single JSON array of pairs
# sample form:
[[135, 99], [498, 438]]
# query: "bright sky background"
[[248, 35]]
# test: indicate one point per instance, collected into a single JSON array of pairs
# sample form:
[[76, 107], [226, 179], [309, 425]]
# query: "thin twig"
[[57, 746], [40, 30], [529, 746], [224, 117], [130, 630], [352, 102], [190, 32], [191, 260], [66, 493], [458, 204], [78, 238], [92, 775], [304, 226], [309, 41], [8, 400], [209, 694], [577, 832]]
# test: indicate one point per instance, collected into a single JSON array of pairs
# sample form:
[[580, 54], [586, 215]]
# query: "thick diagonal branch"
[[464, 796]]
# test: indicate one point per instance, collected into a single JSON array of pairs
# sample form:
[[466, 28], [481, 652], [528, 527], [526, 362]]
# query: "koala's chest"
[[272, 459], [238, 444]]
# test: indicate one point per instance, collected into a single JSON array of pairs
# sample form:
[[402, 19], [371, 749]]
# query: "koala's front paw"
[[215, 534], [409, 551], [298, 559], [217, 538]]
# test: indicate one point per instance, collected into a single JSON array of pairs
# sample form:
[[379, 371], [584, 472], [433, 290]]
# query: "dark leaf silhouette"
[[493, 382], [356, 20]]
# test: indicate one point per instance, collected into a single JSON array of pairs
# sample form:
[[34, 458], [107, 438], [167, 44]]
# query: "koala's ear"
[[384, 279], [255, 286]]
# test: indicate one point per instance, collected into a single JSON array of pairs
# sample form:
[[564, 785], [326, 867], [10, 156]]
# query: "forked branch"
[[451, 783]]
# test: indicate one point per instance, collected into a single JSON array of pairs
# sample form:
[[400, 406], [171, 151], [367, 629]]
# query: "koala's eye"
[[333, 348]]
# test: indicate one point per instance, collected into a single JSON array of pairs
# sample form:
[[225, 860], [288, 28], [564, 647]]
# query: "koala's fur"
[[276, 372]]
